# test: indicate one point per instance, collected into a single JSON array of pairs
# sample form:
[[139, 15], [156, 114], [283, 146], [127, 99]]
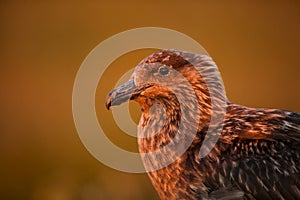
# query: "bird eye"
[[164, 70]]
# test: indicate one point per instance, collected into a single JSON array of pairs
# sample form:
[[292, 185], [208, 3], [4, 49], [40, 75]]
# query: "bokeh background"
[[256, 45]]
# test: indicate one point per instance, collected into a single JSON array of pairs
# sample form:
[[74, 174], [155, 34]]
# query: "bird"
[[255, 156]]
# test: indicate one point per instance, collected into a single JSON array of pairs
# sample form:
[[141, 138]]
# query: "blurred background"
[[256, 45]]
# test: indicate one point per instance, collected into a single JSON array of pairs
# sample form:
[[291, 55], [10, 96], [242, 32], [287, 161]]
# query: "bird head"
[[160, 77]]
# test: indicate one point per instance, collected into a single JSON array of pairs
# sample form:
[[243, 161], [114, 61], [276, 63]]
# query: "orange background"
[[256, 45]]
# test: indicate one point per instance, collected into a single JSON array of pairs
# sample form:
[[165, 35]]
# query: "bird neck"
[[163, 119], [158, 124]]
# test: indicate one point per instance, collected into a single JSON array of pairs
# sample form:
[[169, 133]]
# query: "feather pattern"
[[255, 157]]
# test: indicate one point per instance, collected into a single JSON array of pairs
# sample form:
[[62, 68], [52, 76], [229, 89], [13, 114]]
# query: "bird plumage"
[[255, 157]]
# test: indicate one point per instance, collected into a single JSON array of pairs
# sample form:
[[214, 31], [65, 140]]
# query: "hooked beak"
[[120, 94]]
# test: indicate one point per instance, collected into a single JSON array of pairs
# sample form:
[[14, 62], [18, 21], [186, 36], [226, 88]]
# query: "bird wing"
[[266, 167]]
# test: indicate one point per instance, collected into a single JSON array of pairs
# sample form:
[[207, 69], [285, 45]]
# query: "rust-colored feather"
[[255, 157]]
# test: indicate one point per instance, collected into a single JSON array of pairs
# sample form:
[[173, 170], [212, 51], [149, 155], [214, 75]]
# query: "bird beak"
[[120, 94]]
